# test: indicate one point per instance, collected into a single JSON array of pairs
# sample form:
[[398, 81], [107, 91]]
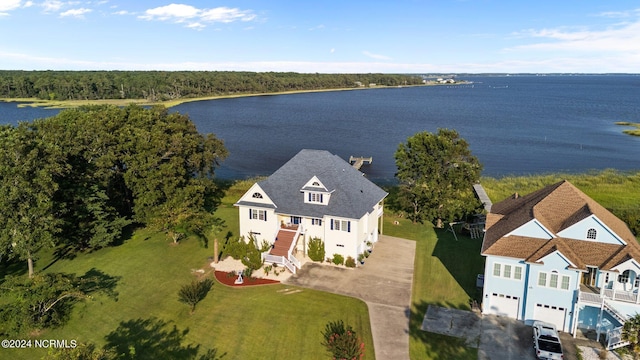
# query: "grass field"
[[263, 322], [445, 270], [250, 323], [612, 189]]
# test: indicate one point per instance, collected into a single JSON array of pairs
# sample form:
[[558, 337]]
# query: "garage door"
[[503, 305], [551, 314]]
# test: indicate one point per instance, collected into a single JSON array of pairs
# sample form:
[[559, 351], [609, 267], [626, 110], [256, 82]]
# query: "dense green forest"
[[77, 180], [171, 85]]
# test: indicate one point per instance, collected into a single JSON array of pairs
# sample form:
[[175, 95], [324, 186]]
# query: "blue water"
[[515, 125]]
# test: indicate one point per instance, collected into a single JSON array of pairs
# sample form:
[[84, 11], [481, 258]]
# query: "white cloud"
[[79, 13], [623, 38], [197, 18], [376, 56], [52, 5], [8, 5]]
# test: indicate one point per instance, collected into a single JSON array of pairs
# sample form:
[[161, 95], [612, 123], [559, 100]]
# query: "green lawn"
[[249, 323], [444, 274]]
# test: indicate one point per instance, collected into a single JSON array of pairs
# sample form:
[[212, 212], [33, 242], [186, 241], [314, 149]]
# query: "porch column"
[[576, 314]]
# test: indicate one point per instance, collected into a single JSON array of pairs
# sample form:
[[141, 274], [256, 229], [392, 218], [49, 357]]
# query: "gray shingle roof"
[[352, 195]]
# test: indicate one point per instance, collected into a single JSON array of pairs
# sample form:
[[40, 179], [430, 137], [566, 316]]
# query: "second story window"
[[315, 197], [592, 234]]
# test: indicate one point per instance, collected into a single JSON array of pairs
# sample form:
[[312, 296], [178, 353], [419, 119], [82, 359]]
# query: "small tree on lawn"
[[191, 294], [342, 341], [631, 333]]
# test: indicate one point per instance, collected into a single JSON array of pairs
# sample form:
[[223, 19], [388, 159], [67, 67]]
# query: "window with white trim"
[[553, 279], [256, 214], [517, 273], [341, 225], [507, 271], [257, 196], [592, 234], [542, 279], [316, 222], [624, 277], [496, 269], [315, 197]]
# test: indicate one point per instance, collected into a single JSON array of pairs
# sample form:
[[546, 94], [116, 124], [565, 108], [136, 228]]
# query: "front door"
[[589, 278]]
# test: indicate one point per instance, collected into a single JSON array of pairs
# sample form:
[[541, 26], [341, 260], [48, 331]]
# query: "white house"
[[556, 255], [315, 194]]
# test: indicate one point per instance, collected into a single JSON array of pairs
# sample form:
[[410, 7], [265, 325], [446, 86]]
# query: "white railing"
[[295, 240], [614, 339], [281, 260], [295, 261], [619, 295], [288, 265], [619, 316]]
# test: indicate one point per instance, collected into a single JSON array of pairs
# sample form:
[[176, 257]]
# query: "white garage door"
[[551, 314], [503, 305]]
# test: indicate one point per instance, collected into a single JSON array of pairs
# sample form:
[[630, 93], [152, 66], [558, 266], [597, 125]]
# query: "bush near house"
[[350, 262], [316, 249], [338, 259]]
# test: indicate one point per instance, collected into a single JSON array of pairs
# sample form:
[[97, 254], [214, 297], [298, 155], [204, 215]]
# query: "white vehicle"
[[546, 341]]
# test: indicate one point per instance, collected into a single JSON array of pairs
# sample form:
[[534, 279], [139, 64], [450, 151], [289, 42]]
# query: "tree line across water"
[[171, 85]]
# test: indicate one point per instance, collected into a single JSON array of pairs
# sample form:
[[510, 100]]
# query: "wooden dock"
[[482, 195], [357, 162]]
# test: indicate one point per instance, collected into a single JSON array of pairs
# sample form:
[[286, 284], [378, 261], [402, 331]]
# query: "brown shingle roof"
[[556, 207]]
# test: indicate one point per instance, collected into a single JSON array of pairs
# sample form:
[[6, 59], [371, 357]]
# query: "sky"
[[329, 36]]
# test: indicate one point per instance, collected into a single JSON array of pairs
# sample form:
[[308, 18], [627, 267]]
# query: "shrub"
[[192, 293], [338, 259], [316, 249], [342, 341], [350, 262], [236, 248], [252, 257]]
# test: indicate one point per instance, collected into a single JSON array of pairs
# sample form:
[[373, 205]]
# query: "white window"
[[554, 279], [257, 195], [342, 225], [256, 214], [315, 197], [507, 271], [592, 234], [316, 221], [517, 274], [542, 279]]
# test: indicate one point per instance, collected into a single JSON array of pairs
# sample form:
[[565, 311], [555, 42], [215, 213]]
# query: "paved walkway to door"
[[384, 283]]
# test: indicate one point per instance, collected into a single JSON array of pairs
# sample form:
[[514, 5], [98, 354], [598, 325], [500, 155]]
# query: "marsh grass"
[[633, 132]]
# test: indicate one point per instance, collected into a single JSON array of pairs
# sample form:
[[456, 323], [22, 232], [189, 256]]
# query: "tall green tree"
[[436, 172], [28, 167]]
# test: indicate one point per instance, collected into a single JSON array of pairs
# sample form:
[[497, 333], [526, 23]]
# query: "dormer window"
[[315, 198], [257, 196], [591, 234], [315, 183]]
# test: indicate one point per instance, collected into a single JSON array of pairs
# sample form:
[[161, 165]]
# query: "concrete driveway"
[[496, 337], [384, 283]]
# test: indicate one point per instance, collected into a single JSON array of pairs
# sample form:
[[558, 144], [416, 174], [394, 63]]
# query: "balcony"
[[594, 295]]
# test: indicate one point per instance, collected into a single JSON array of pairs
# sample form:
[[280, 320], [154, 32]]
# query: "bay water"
[[515, 125]]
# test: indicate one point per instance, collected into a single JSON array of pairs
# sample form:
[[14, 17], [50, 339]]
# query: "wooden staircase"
[[283, 242]]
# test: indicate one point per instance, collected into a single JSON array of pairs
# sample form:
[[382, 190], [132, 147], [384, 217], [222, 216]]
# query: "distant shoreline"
[[67, 104]]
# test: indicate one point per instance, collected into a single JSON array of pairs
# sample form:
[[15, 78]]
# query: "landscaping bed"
[[229, 278]]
